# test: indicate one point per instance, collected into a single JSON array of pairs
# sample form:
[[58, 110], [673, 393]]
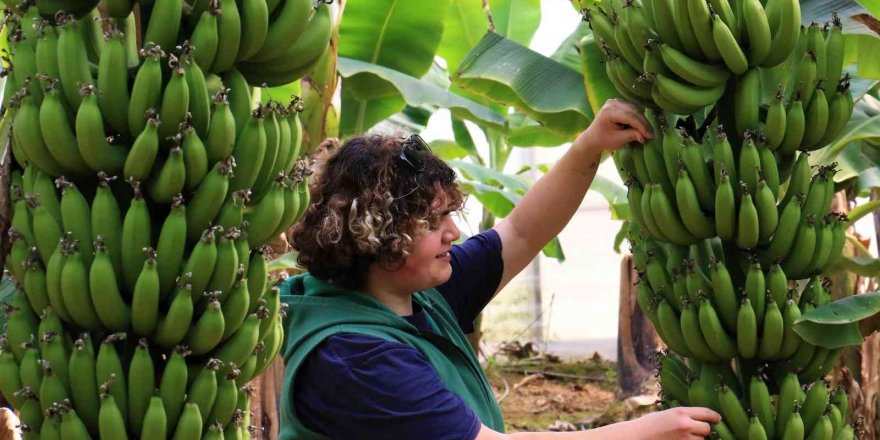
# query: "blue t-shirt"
[[355, 386]]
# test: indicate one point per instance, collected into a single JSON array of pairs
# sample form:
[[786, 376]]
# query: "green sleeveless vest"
[[317, 310]]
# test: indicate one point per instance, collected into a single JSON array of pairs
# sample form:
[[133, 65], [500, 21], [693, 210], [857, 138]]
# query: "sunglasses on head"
[[409, 154]]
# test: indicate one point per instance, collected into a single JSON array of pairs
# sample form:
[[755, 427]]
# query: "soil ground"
[[571, 394]]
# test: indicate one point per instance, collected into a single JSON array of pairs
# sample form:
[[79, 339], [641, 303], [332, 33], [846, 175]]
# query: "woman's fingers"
[[702, 414], [701, 428], [627, 116]]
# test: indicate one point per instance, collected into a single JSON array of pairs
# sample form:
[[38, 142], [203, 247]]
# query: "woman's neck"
[[380, 285]]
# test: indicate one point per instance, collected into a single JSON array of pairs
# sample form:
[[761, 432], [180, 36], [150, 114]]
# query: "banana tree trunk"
[[637, 341]]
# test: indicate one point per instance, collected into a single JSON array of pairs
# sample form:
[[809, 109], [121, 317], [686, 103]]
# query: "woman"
[[375, 344]]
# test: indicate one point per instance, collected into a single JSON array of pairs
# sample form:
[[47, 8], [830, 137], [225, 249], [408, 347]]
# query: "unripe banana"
[[171, 245], [146, 296], [146, 92], [164, 23], [171, 179], [112, 82], [73, 65], [142, 155], [108, 367], [172, 328], [94, 146], [747, 227], [205, 334], [75, 290], [229, 36], [84, 390], [208, 199], [747, 101], [733, 412], [110, 306], [758, 30], [719, 341], [136, 235], [173, 386], [728, 47], [107, 221]]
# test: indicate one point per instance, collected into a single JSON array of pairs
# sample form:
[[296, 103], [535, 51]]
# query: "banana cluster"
[[748, 407], [146, 185], [109, 389], [701, 310], [679, 55], [678, 196]]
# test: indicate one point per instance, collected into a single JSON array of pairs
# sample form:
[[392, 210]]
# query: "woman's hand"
[[677, 423], [616, 124]]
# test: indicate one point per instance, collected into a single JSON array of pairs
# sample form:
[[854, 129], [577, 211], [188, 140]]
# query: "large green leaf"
[[568, 52], [526, 132], [448, 150], [836, 324], [489, 176], [465, 24], [408, 90], [844, 311], [873, 6], [869, 128], [498, 202], [285, 262], [516, 19], [596, 83], [511, 74], [829, 336], [396, 34]]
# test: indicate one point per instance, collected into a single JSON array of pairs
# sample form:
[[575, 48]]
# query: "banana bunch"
[[113, 388], [700, 311], [746, 404], [678, 197], [679, 55]]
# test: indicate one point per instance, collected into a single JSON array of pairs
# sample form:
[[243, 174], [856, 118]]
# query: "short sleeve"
[[360, 387], [477, 267]]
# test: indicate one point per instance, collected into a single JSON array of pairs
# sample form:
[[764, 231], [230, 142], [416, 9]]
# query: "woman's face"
[[428, 264]]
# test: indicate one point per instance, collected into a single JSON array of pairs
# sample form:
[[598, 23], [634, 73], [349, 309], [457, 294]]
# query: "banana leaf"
[[836, 324], [508, 73], [862, 210], [286, 261], [568, 52], [873, 6], [356, 117], [399, 35], [490, 177], [7, 290], [466, 22], [864, 266], [526, 132], [498, 201], [448, 150], [517, 20]]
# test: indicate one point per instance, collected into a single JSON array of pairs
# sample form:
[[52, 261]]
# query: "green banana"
[[710, 325], [699, 173], [171, 245], [786, 36], [171, 179], [73, 66], [207, 200], [146, 296], [199, 117], [229, 36], [155, 423], [75, 290], [111, 423], [175, 100], [112, 82], [164, 25], [146, 91], [695, 72], [758, 29], [254, 27], [816, 119], [725, 209], [694, 339], [747, 101], [768, 215], [685, 95], [195, 157], [27, 134], [790, 339], [201, 262], [84, 390], [748, 224], [94, 147], [795, 124], [108, 367], [136, 235], [57, 131], [141, 384], [728, 47], [835, 47], [205, 37], [107, 221], [172, 328], [682, 24], [173, 386], [802, 250], [109, 304], [733, 412], [222, 130], [746, 330], [142, 155], [775, 124]]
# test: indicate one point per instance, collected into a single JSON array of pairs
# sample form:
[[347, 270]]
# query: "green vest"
[[317, 310]]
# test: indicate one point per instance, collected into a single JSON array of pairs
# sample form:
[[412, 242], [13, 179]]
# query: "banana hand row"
[[94, 380], [747, 407], [690, 48]]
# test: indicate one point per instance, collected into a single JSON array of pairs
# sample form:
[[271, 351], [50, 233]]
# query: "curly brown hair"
[[367, 205]]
